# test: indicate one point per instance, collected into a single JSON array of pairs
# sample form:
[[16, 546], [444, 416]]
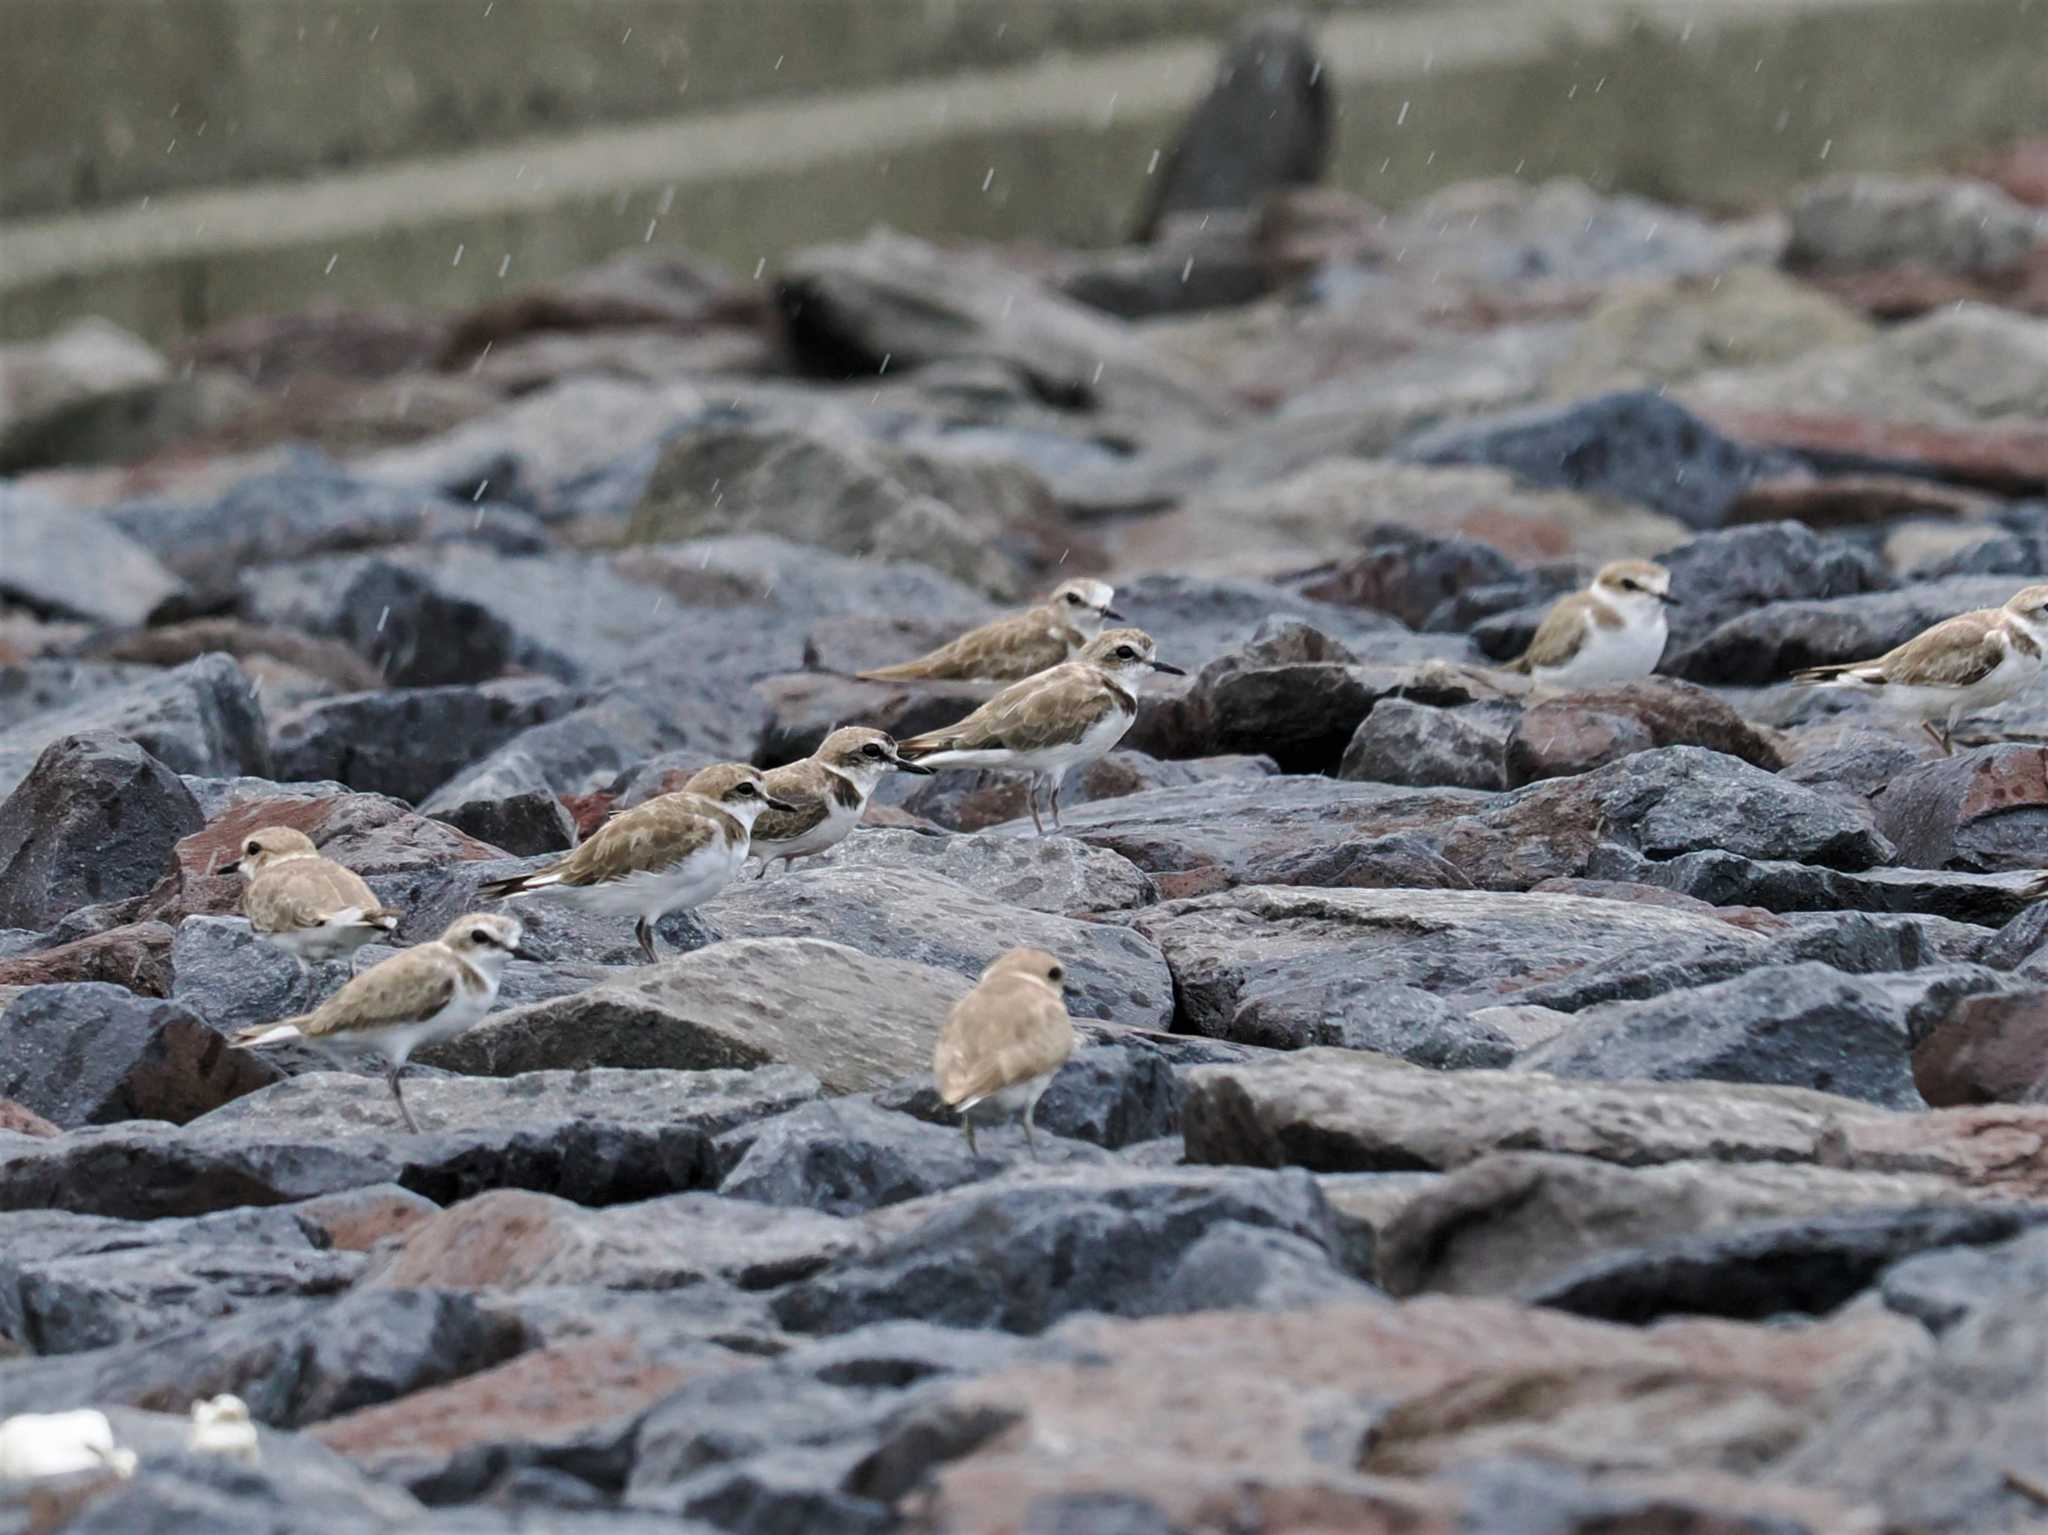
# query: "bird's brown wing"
[[410, 987], [1559, 636], [1011, 648], [305, 893], [655, 835], [1005, 1031], [1956, 653], [806, 785], [1048, 710]]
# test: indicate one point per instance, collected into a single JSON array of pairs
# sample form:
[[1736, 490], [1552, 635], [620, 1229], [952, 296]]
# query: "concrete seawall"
[[1722, 99]]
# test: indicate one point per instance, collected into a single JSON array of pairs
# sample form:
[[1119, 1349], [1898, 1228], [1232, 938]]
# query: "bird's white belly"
[[1054, 762], [651, 894], [1610, 655], [2007, 680], [839, 822], [314, 944]]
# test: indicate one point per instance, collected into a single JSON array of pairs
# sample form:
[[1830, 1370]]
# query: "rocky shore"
[[1497, 1113]]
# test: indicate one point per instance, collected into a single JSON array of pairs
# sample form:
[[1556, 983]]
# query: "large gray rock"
[[234, 980], [1799, 1026], [64, 562], [911, 915], [1576, 732], [97, 819], [1404, 742], [407, 742], [69, 1283], [1129, 1242], [506, 801], [595, 1137], [92, 1053], [1983, 811], [1724, 575], [200, 718], [1726, 879], [1051, 874], [854, 1020], [1292, 966], [1639, 447], [412, 632], [1351, 1111]]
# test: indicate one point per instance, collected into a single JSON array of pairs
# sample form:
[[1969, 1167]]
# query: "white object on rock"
[[221, 1426], [58, 1444]]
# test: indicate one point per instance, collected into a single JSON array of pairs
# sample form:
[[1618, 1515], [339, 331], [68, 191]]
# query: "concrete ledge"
[[1709, 100]]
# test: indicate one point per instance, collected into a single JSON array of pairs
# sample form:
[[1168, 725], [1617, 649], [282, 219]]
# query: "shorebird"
[[1052, 723], [1004, 1042], [309, 906], [673, 851], [1962, 664], [425, 993], [829, 790], [1018, 645], [1613, 631]]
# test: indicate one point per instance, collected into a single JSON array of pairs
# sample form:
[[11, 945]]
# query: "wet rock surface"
[[1494, 1107]]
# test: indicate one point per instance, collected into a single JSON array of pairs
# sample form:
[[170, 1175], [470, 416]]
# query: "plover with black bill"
[[667, 854], [428, 992], [1004, 1042], [1017, 645], [308, 905], [1973, 661], [1613, 631], [1050, 724], [830, 790]]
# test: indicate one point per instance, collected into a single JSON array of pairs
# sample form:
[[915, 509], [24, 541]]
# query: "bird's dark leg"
[[1055, 798], [1030, 1144], [1031, 798], [967, 1124], [644, 931], [392, 1069]]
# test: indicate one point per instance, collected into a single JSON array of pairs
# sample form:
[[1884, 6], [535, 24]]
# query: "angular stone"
[[93, 1053], [1638, 447], [1800, 1026], [370, 833], [95, 820], [69, 563], [1999, 1149], [400, 621], [1778, 885], [507, 802], [978, 800], [1282, 965], [1403, 742], [1511, 1224], [1585, 729], [1351, 1111], [1141, 1226], [408, 742], [1988, 1049], [137, 957], [852, 1019], [1051, 874], [1981, 811], [234, 980], [917, 916], [200, 718]]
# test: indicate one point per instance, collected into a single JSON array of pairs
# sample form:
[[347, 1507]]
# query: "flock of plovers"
[[1068, 693]]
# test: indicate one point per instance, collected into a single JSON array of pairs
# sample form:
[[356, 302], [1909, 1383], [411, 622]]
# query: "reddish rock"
[[1576, 732], [2010, 459], [137, 956], [1904, 292], [1853, 500], [16, 1120], [368, 832], [590, 811], [1752, 919], [2000, 1150], [1984, 810], [356, 1220], [504, 1239], [1990, 1049], [551, 1395]]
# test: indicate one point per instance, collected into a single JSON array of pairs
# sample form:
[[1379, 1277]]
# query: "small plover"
[[1018, 645], [309, 906], [1004, 1042], [673, 851], [830, 790], [1613, 631], [1970, 662], [418, 995], [1050, 724]]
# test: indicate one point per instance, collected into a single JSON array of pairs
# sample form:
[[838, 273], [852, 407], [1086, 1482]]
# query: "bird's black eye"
[[1126, 653], [1074, 598], [481, 935], [1055, 974], [253, 849], [871, 750], [743, 790]]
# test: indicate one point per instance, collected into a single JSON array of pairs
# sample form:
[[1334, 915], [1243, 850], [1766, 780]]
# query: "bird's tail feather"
[[278, 1033], [520, 884]]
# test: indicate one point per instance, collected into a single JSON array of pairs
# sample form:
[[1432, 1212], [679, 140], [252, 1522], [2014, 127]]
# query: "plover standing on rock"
[[1050, 724], [1018, 645], [309, 906], [1973, 661], [829, 789], [1004, 1042], [1614, 631], [428, 992], [674, 851]]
